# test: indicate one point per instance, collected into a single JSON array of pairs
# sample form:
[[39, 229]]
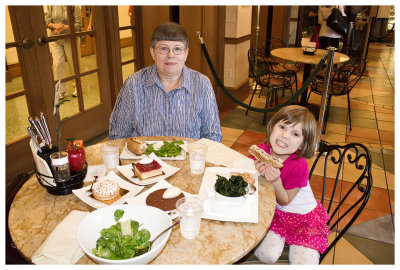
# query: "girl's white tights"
[[272, 246]]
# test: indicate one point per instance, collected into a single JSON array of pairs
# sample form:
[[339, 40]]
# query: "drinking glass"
[[197, 157], [110, 156], [190, 210]]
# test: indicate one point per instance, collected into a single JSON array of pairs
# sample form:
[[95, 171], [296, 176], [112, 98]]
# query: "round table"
[[296, 54], [35, 213]]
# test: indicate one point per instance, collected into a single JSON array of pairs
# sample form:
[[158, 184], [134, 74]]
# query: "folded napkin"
[[219, 154], [41, 165], [95, 170], [61, 246], [245, 210]]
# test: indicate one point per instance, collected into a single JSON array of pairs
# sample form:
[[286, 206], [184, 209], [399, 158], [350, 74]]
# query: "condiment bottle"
[[60, 166]]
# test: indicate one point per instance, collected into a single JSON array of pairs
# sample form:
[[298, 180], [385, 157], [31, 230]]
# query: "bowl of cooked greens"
[[234, 189], [122, 234]]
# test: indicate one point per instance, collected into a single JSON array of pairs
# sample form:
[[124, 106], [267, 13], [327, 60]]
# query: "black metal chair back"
[[344, 196], [342, 82]]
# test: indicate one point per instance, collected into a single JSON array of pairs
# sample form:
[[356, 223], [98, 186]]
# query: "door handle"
[[42, 40], [25, 43]]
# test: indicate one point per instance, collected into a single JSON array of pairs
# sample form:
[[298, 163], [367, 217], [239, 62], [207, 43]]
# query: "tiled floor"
[[371, 239]]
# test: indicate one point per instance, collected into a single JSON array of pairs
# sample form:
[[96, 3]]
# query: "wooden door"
[[84, 116]]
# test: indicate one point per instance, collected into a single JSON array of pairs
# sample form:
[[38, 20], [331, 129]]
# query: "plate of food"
[[147, 171], [108, 190], [168, 150]]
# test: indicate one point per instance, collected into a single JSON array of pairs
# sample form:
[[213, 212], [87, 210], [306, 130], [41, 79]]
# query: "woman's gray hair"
[[169, 31]]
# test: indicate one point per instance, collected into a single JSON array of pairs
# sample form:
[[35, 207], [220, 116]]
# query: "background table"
[[35, 213], [296, 55]]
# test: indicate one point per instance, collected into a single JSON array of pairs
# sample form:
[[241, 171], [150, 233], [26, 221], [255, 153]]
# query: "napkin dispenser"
[[308, 47]]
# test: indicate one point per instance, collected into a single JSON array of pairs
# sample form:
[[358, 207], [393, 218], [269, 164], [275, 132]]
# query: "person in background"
[[299, 220], [166, 98], [58, 23], [327, 36]]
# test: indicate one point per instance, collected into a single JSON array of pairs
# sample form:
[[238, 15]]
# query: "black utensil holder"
[[57, 186]]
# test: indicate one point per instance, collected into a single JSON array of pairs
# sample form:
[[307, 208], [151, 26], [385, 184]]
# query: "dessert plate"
[[130, 190], [168, 170], [126, 154]]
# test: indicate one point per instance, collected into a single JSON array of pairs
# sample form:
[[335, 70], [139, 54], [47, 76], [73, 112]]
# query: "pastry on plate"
[[136, 146], [105, 190]]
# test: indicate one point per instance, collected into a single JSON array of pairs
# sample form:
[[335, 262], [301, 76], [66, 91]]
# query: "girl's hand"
[[268, 171]]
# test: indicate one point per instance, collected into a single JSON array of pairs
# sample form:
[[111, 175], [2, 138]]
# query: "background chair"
[[263, 75], [342, 82]]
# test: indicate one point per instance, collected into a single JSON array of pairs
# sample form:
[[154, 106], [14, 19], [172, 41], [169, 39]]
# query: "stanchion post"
[[322, 108]]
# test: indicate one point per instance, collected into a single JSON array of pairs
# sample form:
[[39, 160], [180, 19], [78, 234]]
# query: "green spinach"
[[234, 187], [118, 214]]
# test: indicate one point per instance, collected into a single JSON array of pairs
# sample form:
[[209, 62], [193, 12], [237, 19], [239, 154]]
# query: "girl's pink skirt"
[[308, 230]]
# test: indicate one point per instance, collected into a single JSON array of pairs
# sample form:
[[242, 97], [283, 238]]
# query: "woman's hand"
[[270, 173]]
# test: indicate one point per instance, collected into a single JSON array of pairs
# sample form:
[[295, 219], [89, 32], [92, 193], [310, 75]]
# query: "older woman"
[[167, 98]]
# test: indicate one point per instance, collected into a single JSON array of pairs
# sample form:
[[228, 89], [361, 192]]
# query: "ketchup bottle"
[[76, 155]]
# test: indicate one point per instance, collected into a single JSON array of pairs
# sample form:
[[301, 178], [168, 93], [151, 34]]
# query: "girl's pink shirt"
[[294, 172]]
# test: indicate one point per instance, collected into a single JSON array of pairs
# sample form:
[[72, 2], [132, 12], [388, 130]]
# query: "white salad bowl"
[[150, 218]]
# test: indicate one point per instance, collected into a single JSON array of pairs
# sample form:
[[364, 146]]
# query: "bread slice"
[[136, 146], [264, 157]]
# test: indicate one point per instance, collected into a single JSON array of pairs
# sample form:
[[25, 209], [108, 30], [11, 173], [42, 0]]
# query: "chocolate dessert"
[[156, 199]]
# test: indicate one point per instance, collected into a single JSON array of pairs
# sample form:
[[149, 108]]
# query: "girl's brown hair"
[[295, 114]]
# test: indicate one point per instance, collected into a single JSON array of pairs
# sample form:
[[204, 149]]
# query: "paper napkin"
[[61, 246]]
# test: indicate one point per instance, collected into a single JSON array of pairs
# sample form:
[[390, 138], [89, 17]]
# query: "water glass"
[[110, 156], [190, 210], [197, 157]]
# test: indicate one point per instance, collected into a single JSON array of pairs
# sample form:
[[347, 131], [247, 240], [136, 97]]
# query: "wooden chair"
[[342, 82]]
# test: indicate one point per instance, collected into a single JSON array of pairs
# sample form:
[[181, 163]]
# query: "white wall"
[[237, 24]]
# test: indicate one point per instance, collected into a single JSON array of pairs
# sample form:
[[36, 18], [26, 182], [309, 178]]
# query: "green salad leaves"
[[168, 149], [234, 187], [123, 240]]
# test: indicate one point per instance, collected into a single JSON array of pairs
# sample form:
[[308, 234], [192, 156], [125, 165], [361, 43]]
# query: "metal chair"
[[342, 82], [343, 198], [264, 76]]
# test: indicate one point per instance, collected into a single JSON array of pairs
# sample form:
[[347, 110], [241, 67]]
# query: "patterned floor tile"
[[388, 117], [380, 229], [344, 253], [231, 134], [387, 136], [375, 251], [383, 125]]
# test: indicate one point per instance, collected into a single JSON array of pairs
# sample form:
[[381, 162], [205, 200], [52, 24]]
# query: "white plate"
[[226, 210], [126, 154], [84, 195], [168, 170]]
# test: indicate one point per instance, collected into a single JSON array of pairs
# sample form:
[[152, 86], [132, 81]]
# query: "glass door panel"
[[91, 90], [128, 70], [17, 112]]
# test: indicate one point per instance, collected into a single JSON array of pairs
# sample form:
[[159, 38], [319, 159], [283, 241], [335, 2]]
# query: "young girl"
[[299, 219]]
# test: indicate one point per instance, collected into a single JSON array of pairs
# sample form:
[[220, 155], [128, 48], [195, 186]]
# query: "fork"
[[94, 181]]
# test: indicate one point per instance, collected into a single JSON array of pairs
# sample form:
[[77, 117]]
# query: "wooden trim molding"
[[238, 40], [241, 92]]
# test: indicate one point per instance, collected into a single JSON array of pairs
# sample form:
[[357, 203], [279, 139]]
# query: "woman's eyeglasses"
[[165, 50]]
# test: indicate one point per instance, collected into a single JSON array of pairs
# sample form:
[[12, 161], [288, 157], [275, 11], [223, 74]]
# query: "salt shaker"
[[60, 166]]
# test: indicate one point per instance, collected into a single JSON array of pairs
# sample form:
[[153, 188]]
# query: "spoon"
[[94, 181], [161, 233], [252, 189]]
